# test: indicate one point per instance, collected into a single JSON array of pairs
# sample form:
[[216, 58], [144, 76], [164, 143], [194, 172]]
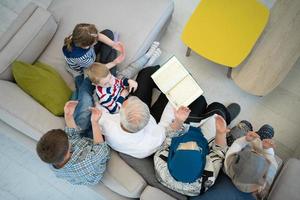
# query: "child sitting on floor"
[[250, 161]]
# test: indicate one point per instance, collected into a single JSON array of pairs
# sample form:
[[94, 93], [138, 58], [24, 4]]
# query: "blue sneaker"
[[266, 132]]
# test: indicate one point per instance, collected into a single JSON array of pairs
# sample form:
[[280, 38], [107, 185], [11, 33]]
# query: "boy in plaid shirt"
[[79, 160]]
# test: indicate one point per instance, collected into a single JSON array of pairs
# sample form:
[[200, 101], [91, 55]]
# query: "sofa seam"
[[27, 44]]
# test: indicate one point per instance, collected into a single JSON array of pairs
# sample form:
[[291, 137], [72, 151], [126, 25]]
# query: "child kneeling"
[[250, 161], [79, 160]]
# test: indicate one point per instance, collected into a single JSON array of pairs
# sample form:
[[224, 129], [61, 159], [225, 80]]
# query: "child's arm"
[[268, 146], [106, 40], [68, 112], [116, 61], [241, 142], [131, 84], [119, 46], [107, 101], [97, 134]]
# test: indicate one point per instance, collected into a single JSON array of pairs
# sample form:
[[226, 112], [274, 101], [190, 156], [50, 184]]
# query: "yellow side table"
[[225, 31]]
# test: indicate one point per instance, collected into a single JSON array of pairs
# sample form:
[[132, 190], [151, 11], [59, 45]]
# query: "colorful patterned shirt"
[[87, 163], [110, 97]]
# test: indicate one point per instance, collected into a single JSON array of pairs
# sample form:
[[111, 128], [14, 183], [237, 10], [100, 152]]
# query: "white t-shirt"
[[140, 144]]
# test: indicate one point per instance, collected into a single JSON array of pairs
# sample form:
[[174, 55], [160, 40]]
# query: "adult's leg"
[[217, 108], [140, 63], [197, 108], [146, 84], [145, 89], [82, 113], [158, 107], [106, 53], [78, 81]]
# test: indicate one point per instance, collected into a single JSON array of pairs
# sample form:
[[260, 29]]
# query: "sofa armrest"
[[153, 193], [22, 112], [287, 183], [122, 179]]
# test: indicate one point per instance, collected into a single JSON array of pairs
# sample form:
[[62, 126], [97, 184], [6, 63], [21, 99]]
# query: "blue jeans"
[[84, 95]]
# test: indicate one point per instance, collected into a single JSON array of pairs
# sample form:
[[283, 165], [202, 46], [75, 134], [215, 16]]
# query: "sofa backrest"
[[26, 38], [138, 22]]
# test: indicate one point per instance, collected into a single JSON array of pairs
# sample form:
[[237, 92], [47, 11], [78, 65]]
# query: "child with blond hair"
[[111, 91]]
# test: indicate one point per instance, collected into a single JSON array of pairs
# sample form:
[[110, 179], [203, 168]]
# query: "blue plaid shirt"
[[87, 163]]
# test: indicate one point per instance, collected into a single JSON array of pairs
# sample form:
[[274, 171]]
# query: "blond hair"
[[83, 35], [96, 72]]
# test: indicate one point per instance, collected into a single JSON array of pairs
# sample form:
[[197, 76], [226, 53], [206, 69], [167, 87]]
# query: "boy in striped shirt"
[[110, 90]]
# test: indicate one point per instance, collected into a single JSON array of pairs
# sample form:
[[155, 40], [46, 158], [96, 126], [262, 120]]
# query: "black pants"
[[105, 53], [199, 108], [145, 90]]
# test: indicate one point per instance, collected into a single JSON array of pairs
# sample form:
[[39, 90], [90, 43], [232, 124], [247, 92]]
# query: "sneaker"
[[240, 130], [266, 132], [247, 126], [234, 110]]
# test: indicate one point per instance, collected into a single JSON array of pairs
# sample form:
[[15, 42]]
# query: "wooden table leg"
[[188, 52], [229, 72]]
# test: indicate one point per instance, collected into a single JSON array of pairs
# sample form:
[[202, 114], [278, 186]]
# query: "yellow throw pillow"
[[44, 84]]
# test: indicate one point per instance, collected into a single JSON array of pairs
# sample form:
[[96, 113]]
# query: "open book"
[[176, 82]]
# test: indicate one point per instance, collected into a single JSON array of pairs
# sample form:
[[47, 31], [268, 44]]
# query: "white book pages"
[[169, 74], [185, 92]]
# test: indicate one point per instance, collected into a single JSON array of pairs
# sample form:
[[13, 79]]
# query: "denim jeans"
[[84, 95]]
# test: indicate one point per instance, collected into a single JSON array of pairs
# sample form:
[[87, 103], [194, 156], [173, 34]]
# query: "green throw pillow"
[[44, 84]]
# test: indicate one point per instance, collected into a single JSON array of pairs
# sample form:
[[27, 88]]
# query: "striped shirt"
[[214, 161], [79, 58], [87, 163], [110, 97]]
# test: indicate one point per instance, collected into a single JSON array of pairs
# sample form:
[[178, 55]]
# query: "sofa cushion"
[[145, 167], [151, 193], [121, 178], [137, 25], [17, 24], [287, 183], [223, 189], [27, 39], [22, 112], [44, 84]]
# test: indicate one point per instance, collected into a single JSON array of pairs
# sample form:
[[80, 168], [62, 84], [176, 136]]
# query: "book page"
[[185, 92], [169, 74]]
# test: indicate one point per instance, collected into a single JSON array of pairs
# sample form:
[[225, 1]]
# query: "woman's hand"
[[221, 127], [119, 59], [119, 46], [181, 114]]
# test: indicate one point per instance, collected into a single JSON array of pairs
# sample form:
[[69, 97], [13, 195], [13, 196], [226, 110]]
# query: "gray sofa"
[[38, 34]]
